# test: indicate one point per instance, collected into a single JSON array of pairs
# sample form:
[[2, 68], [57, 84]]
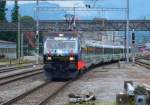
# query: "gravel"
[[41, 94], [13, 89], [104, 82]]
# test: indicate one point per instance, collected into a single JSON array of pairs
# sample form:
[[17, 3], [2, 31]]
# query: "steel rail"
[[46, 100], [30, 92], [10, 79], [7, 69], [13, 100], [143, 64], [18, 73]]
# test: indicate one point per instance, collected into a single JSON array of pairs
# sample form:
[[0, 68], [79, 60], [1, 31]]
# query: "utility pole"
[[22, 54], [37, 31], [125, 51], [127, 33], [113, 39], [19, 47], [74, 17]]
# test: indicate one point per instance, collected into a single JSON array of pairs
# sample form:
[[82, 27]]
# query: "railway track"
[[143, 64], [13, 68], [14, 77], [2, 66], [39, 95]]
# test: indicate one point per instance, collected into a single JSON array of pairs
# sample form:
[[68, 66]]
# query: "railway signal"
[[133, 38], [133, 46]]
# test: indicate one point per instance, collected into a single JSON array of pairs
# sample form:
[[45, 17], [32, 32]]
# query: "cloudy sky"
[[138, 8]]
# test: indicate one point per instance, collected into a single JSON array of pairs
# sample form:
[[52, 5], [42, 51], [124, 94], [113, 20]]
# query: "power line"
[[80, 9], [57, 0]]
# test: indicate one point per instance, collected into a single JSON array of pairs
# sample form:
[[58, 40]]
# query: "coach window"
[[107, 50], [90, 50], [100, 50], [116, 50]]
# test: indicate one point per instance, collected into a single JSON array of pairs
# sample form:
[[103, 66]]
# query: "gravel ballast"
[[105, 82]]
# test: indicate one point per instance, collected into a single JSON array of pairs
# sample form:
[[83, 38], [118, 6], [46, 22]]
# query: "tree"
[[14, 18], [27, 20], [15, 12], [8, 36], [2, 11]]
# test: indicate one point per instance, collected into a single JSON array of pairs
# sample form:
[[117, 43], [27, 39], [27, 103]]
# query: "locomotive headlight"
[[71, 58], [49, 58]]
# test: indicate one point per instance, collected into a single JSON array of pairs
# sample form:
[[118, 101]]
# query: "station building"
[[7, 50]]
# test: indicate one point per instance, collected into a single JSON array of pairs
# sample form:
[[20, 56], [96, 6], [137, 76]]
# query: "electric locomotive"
[[61, 55]]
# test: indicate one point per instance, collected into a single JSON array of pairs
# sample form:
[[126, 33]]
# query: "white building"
[[7, 49]]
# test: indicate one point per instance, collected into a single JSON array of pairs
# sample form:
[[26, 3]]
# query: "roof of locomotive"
[[65, 34]]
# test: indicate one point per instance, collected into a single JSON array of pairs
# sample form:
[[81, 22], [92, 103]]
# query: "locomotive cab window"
[[64, 46]]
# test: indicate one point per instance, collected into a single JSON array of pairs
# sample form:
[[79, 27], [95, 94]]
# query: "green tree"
[[8, 36], [27, 20], [14, 18], [15, 12], [2, 11]]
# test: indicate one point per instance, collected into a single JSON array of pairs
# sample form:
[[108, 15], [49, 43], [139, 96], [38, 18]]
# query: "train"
[[69, 54]]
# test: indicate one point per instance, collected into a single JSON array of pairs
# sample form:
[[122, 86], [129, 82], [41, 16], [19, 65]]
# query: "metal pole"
[[113, 38], [125, 54], [37, 31], [74, 24], [19, 38], [127, 34], [22, 44]]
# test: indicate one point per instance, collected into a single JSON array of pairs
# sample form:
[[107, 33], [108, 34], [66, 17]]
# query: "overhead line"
[[55, 0]]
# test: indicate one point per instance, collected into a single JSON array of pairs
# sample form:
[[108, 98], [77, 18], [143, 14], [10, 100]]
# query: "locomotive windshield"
[[63, 45]]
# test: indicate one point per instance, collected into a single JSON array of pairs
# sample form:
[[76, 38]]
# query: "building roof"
[[7, 44]]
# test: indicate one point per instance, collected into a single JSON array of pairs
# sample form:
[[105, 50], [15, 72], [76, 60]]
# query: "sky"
[[61, 3], [138, 8]]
